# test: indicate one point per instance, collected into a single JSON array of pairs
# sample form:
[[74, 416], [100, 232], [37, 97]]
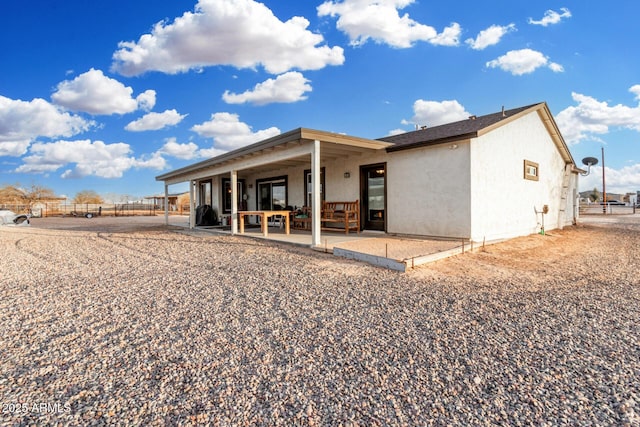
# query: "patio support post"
[[192, 203], [234, 202], [315, 194], [166, 204]]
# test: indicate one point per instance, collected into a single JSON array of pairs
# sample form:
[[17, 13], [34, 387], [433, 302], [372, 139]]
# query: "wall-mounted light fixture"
[[453, 146], [347, 174]]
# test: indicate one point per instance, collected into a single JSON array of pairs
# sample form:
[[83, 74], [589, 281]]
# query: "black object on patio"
[[205, 215]]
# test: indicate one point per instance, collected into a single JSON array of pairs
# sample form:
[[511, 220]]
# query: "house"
[[485, 178]]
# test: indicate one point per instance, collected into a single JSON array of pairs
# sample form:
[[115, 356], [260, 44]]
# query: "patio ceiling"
[[290, 149], [328, 153]]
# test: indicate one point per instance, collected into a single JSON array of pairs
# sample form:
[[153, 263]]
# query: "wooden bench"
[[342, 213]]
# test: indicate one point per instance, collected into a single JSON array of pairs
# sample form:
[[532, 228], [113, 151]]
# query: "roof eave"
[[438, 141], [554, 131], [299, 134], [261, 145]]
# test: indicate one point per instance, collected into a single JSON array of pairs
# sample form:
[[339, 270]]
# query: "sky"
[[105, 95]]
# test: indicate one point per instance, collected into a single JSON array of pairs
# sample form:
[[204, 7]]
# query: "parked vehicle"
[[8, 217]]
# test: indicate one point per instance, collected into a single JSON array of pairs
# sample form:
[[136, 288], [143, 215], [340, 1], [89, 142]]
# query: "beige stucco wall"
[[340, 188], [503, 203], [468, 189], [428, 191]]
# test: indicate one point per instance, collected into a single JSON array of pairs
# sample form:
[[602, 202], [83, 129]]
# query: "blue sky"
[[107, 94]]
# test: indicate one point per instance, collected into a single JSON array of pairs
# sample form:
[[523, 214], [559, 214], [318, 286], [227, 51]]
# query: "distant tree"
[[11, 194], [595, 195], [26, 196], [88, 196], [183, 201]]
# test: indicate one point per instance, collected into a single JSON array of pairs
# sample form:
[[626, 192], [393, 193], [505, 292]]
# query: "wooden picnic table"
[[264, 215]]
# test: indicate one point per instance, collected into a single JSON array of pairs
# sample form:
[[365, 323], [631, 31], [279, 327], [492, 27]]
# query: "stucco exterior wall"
[[428, 191], [339, 188], [295, 185], [503, 203], [472, 189]]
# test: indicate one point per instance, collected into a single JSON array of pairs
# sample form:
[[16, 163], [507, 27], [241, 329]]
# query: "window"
[[226, 195], [531, 171], [272, 193], [204, 193], [308, 187]]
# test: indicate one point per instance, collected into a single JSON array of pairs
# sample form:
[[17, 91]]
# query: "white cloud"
[[90, 158], [450, 36], [210, 152], [173, 148], [241, 33], [187, 151], [229, 133], [146, 100], [591, 117], [286, 88], [380, 21], [490, 36], [622, 180], [95, 93], [21, 122], [155, 121], [397, 131], [155, 161], [555, 67], [434, 113], [524, 61], [618, 181], [551, 17], [635, 89]]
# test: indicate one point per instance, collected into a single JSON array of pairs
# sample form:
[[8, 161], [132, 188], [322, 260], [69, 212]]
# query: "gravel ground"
[[166, 326]]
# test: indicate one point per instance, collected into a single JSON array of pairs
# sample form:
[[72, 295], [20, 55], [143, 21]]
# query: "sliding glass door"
[[272, 194]]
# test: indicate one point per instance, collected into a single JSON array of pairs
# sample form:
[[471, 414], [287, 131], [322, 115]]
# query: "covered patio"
[[400, 253], [224, 181]]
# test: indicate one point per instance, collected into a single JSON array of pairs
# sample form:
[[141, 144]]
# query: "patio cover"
[[297, 147]]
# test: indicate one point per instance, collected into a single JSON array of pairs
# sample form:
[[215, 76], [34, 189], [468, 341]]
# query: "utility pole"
[[604, 189]]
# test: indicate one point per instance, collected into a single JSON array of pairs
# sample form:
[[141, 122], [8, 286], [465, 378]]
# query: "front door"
[[373, 188]]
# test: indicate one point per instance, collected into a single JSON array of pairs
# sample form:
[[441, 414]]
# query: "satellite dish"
[[588, 162]]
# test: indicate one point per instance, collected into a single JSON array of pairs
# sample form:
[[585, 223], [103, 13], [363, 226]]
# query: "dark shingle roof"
[[463, 129]]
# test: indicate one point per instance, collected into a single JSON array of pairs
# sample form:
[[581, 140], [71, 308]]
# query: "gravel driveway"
[[165, 326]]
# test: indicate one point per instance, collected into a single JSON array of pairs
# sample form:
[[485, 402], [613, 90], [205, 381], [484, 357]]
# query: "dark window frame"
[[272, 179], [323, 187], [226, 203]]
